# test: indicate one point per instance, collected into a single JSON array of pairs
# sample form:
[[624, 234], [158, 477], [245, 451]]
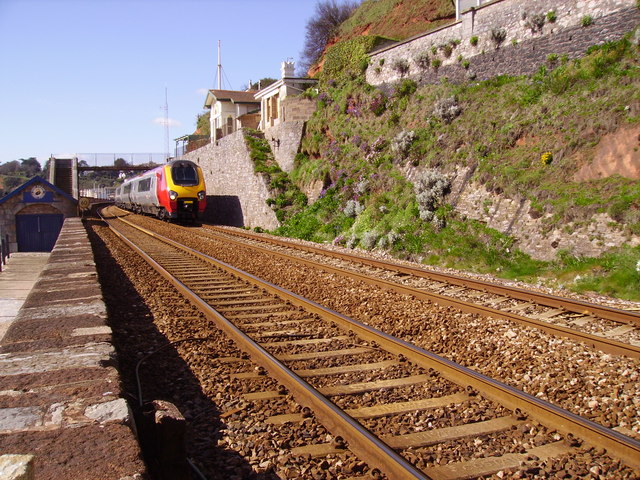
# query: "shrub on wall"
[[422, 60], [535, 22], [349, 57], [286, 199], [498, 35], [401, 66]]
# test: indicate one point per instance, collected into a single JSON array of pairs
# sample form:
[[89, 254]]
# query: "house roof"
[[232, 96], [270, 90], [30, 182]]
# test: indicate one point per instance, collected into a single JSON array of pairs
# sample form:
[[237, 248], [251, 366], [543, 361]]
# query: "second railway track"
[[338, 356]]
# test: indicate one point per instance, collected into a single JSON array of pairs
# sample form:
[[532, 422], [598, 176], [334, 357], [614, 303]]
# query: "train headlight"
[[173, 195], [201, 195]]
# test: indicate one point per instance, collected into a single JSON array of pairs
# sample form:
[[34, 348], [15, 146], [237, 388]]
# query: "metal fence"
[[100, 193], [108, 159]]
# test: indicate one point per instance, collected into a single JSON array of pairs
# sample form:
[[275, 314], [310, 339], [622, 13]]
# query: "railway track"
[[608, 329], [357, 367]]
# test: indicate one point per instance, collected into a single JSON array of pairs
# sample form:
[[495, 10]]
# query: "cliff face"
[[532, 233]]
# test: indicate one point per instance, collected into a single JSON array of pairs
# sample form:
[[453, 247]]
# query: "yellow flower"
[[546, 158]]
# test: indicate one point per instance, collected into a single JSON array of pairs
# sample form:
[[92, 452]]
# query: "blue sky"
[[85, 76]]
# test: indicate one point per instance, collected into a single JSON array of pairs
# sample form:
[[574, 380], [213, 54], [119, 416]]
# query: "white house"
[[272, 97], [231, 110]]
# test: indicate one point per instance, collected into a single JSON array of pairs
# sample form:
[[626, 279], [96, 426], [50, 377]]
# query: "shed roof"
[[32, 181]]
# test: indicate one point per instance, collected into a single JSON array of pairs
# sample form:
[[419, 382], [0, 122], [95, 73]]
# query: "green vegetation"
[[287, 198], [525, 137], [15, 173], [349, 57]]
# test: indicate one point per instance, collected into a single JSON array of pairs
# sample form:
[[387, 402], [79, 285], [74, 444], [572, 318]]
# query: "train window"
[[184, 174], [144, 185], [127, 189]]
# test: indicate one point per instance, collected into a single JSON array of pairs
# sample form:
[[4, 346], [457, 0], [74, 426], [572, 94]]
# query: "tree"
[[10, 168], [31, 166], [121, 163], [203, 124], [321, 28]]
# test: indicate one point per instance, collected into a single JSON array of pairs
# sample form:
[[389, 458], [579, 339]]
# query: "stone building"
[[32, 215]]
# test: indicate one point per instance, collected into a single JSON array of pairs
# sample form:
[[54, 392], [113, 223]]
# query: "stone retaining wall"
[[235, 194], [524, 49], [285, 142]]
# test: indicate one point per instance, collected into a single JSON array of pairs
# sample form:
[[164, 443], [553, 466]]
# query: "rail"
[[374, 451], [602, 343], [568, 304]]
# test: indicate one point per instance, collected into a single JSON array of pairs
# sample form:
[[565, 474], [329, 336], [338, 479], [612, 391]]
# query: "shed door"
[[38, 233]]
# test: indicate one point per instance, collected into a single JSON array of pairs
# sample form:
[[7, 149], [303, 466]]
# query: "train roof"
[[147, 172]]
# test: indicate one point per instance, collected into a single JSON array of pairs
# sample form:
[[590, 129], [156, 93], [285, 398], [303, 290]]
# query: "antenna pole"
[[219, 67], [166, 121]]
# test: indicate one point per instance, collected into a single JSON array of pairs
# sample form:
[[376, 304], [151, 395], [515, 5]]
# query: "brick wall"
[[235, 194], [523, 50]]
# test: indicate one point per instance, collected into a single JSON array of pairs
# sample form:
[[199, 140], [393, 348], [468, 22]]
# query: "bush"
[[447, 109], [353, 208], [473, 41], [586, 20], [402, 142], [378, 105], [430, 188], [447, 49], [401, 66], [422, 60], [536, 22], [368, 240], [406, 88], [498, 35]]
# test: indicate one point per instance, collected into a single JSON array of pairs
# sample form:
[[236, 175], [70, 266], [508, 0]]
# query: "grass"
[[507, 126], [616, 274]]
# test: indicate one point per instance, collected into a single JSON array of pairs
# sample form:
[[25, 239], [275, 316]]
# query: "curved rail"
[[361, 441], [373, 450], [568, 304], [602, 343]]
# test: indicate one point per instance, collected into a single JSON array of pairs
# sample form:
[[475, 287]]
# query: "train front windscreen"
[[184, 174]]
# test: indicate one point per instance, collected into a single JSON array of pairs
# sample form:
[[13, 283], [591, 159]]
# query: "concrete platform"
[[17, 279], [60, 398]]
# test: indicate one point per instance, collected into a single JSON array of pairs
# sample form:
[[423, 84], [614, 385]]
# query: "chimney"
[[287, 69]]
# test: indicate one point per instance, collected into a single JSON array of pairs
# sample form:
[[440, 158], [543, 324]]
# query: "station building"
[[31, 216]]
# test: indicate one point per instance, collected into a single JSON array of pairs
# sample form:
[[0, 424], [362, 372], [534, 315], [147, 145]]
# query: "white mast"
[[166, 122], [219, 68]]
